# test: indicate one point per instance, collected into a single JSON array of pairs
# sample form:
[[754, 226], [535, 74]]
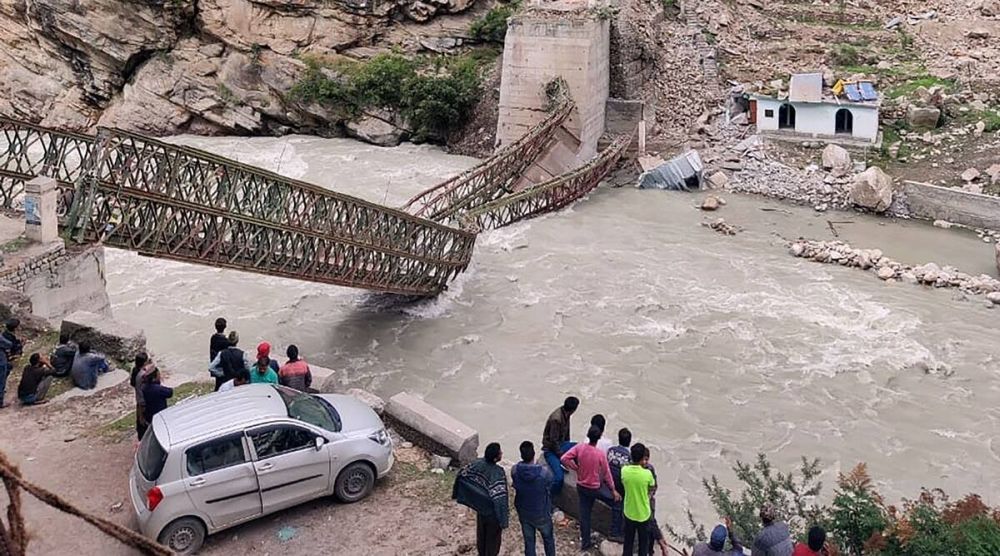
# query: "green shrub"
[[435, 96], [789, 494], [492, 27], [845, 55], [978, 536], [856, 513]]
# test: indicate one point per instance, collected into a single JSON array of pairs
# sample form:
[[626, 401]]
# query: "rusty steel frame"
[[28, 150], [493, 178], [548, 196]]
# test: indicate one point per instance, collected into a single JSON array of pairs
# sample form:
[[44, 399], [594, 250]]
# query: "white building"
[[810, 112]]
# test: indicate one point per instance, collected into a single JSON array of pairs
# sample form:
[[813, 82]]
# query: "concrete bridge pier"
[[545, 43]]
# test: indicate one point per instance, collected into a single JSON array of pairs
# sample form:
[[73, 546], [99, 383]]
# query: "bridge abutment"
[[544, 44]]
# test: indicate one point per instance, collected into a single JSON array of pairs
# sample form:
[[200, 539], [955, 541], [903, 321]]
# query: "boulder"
[[990, 7], [994, 173], [837, 160], [993, 297], [923, 117], [970, 175], [114, 339], [872, 189], [710, 203], [376, 129], [430, 428], [718, 180]]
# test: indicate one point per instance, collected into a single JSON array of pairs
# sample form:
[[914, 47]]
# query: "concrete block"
[[431, 429], [115, 339], [569, 502], [41, 223], [954, 205], [371, 400]]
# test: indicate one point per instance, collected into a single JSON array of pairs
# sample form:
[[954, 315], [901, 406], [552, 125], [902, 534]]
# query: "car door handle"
[[197, 482], [265, 467]]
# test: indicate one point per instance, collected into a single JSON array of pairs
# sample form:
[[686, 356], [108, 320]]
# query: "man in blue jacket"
[[532, 498]]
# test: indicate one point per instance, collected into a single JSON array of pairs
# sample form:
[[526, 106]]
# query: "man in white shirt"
[[242, 377], [604, 444]]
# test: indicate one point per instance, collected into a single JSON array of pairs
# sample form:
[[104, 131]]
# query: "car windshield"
[[310, 409], [151, 456]]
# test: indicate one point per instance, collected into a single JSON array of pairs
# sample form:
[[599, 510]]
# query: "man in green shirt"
[[637, 481]]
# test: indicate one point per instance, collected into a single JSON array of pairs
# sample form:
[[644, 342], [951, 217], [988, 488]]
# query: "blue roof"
[[868, 91]]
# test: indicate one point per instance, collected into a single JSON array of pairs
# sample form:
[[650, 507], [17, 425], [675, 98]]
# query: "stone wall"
[[45, 263]]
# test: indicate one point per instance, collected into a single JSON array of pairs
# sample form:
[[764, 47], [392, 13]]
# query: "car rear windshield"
[[151, 456], [310, 409]]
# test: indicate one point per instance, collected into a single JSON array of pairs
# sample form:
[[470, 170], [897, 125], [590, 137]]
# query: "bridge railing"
[[493, 178], [550, 195], [28, 150]]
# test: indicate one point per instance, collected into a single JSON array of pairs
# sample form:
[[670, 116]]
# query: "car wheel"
[[183, 536], [355, 482]]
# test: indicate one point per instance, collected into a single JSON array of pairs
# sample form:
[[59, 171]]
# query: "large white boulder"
[[872, 189], [837, 160]]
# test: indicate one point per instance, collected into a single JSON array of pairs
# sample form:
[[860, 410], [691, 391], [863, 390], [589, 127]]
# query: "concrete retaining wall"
[[430, 428], [59, 282], [569, 503], [954, 205]]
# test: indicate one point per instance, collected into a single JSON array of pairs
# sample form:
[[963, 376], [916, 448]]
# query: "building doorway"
[[844, 122], [786, 117]]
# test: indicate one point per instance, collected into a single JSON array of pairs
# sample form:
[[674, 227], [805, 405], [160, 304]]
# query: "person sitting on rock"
[[86, 367], [35, 381], [62, 357], [555, 440], [295, 373]]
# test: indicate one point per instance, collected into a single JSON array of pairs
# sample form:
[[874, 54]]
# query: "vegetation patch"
[[492, 27], [910, 86], [14, 245], [434, 95], [858, 521]]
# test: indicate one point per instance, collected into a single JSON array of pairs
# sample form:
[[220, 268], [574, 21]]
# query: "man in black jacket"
[[219, 341], [229, 361]]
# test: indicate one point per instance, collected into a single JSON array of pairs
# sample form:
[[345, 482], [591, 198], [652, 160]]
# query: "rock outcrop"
[[169, 66]]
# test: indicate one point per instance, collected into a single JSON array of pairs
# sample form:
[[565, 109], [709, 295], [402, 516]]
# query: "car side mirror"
[[320, 442]]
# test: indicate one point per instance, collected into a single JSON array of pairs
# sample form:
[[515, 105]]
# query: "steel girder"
[[548, 196], [28, 150], [493, 178]]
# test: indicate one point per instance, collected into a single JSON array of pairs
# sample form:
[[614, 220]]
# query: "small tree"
[[857, 512]]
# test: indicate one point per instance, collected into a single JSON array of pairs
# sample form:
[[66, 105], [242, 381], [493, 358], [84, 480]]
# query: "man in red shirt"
[[817, 538], [593, 480]]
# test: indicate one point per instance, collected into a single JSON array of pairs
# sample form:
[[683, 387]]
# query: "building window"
[[786, 117], [844, 122], [768, 113]]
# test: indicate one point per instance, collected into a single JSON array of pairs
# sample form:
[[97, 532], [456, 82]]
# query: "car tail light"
[[153, 498]]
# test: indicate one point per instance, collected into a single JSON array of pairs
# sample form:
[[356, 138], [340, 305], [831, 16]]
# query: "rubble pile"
[[872, 260], [771, 178]]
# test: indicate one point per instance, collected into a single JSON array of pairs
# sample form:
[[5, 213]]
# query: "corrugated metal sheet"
[[806, 87], [683, 172]]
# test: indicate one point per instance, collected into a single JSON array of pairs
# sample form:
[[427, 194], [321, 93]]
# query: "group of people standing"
[[76, 361], [619, 475], [230, 366]]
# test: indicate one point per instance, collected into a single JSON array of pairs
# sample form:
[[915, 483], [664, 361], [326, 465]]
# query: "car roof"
[[220, 412]]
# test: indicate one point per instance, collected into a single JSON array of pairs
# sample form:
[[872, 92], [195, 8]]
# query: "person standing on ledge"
[[533, 500], [482, 486], [638, 482], [593, 480], [555, 440], [219, 341], [228, 361]]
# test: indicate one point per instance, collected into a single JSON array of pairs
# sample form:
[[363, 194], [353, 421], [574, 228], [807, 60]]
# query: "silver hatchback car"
[[230, 457]]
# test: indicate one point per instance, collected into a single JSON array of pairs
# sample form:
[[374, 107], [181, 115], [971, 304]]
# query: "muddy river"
[[710, 348]]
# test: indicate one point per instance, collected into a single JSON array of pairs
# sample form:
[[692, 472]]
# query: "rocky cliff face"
[[201, 66]]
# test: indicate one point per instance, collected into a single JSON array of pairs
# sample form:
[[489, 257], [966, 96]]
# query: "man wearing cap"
[[716, 545], [264, 371], [228, 361], [774, 539]]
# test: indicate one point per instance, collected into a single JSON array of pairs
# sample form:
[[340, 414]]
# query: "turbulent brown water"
[[710, 348]]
